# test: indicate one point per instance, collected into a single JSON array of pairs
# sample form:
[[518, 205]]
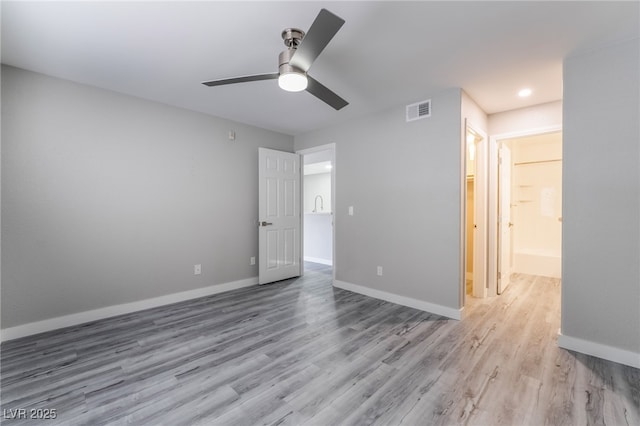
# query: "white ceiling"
[[387, 53]]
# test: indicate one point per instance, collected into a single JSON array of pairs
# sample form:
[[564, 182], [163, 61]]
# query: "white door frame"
[[480, 215], [492, 218], [504, 215], [328, 147]]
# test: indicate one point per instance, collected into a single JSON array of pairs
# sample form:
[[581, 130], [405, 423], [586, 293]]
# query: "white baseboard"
[[318, 260], [125, 308], [445, 311], [599, 350]]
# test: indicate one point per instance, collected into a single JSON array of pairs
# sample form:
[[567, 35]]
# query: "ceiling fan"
[[294, 63]]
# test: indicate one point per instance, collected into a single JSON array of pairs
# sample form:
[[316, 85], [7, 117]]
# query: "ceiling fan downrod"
[[292, 38]]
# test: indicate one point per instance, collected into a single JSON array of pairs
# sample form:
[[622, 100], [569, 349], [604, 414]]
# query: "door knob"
[[510, 224], [265, 223]]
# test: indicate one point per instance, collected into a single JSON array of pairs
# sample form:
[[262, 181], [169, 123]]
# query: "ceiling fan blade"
[[245, 79], [325, 95], [325, 26]]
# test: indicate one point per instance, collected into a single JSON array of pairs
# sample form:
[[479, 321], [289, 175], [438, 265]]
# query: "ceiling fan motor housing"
[[283, 62], [292, 38]]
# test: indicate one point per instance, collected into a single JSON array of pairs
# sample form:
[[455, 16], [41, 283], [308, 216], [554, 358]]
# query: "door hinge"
[[499, 275]]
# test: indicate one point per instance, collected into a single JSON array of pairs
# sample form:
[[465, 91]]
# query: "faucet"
[[315, 204]]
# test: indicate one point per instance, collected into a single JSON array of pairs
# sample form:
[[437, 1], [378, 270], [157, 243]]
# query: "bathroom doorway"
[[528, 219], [318, 183]]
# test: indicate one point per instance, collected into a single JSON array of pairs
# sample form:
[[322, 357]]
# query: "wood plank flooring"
[[300, 352]]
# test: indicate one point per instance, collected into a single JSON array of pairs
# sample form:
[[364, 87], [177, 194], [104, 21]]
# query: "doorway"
[[527, 218], [318, 185], [474, 217]]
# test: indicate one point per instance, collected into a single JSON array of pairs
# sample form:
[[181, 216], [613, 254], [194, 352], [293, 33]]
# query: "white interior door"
[[279, 215], [504, 214], [479, 215]]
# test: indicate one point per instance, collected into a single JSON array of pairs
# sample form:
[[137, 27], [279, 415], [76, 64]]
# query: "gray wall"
[[403, 180], [601, 191], [109, 199], [475, 116]]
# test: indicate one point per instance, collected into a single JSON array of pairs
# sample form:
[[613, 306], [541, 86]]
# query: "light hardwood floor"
[[302, 352]]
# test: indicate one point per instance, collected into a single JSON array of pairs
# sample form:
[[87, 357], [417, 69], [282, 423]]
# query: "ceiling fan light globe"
[[292, 81]]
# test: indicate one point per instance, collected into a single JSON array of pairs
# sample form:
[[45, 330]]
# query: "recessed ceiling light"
[[524, 93]]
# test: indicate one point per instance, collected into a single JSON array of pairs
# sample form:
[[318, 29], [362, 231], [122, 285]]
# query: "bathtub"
[[546, 263]]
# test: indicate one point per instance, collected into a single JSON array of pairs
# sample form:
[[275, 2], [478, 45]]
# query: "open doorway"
[[474, 218], [528, 217], [317, 206]]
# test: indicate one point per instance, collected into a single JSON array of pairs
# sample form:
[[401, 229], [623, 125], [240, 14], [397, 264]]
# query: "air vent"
[[419, 110]]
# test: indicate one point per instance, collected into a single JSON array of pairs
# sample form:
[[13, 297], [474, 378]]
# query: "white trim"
[[599, 350], [327, 147], [319, 148], [479, 287], [125, 308], [456, 314], [528, 132], [318, 260]]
